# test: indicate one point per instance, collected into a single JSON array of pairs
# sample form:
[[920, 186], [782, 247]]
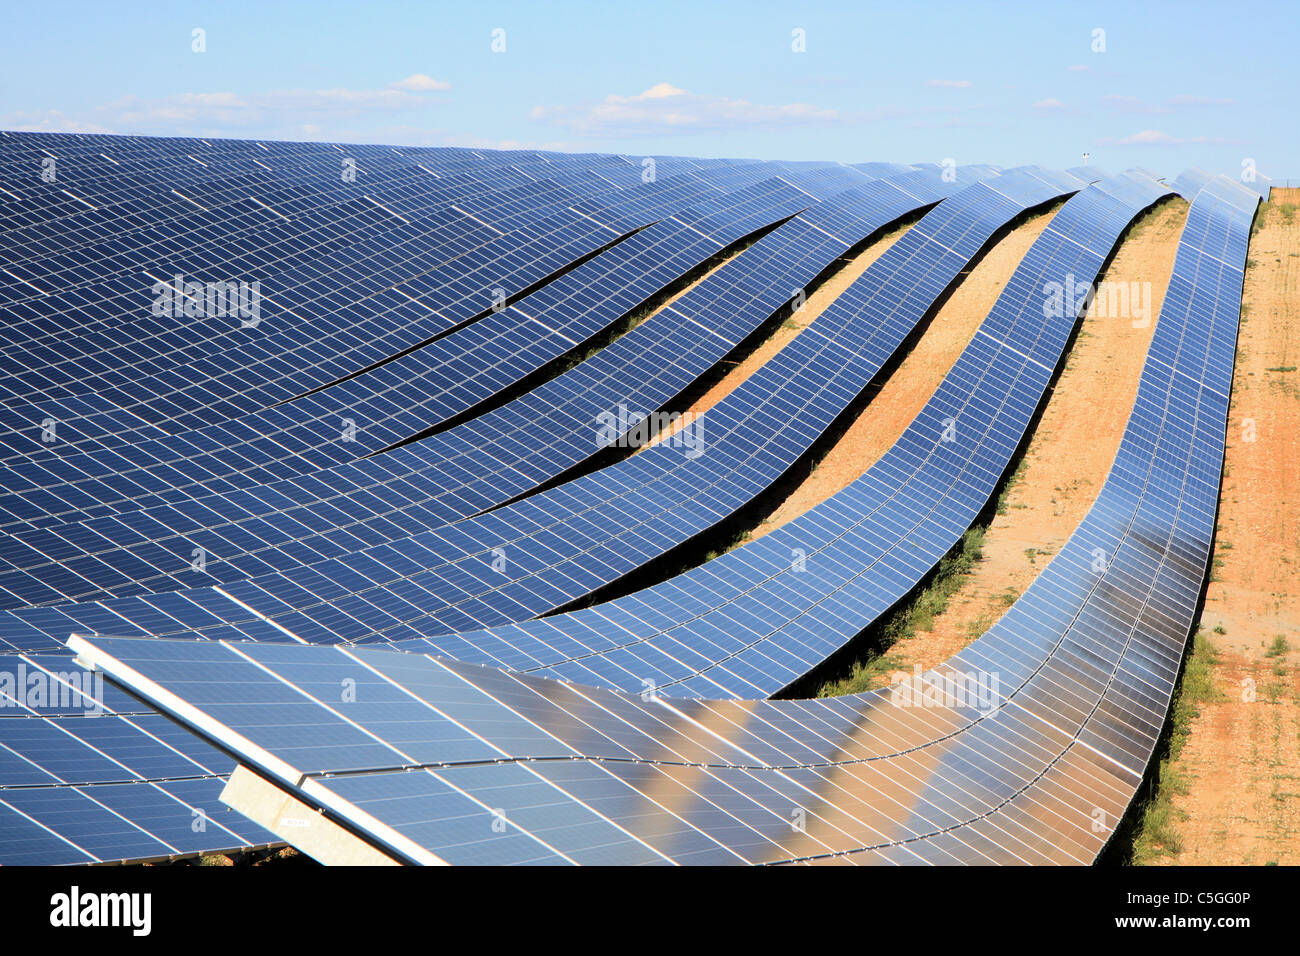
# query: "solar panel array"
[[808, 386], [36, 546], [277, 635], [744, 203], [751, 285], [412, 298], [52, 773], [569, 403], [719, 629], [225, 455], [518, 204], [166, 408], [435, 760], [127, 197]]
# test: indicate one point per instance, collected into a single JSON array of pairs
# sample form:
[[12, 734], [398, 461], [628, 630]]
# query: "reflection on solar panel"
[[435, 283], [136, 758], [1025, 748]]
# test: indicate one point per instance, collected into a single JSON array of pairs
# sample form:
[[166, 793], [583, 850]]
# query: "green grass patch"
[[734, 542], [1016, 477]]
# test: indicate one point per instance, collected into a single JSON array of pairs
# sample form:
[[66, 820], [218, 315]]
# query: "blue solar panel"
[[868, 302], [219, 457], [129, 785], [344, 310], [726, 218], [859, 566], [1041, 772]]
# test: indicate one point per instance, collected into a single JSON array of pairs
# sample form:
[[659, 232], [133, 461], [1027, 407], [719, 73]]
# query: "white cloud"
[[954, 84], [1050, 104], [281, 114], [315, 114], [1132, 104], [1150, 137], [252, 108], [420, 83], [1155, 137], [667, 109], [657, 92], [390, 116]]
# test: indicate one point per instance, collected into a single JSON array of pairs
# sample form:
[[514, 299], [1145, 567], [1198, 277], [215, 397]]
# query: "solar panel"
[[1039, 772], [122, 425], [596, 383], [721, 636], [984, 211], [238, 453], [88, 774], [129, 784], [343, 309]]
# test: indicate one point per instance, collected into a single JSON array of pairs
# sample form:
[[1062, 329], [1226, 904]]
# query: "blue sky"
[[1009, 83]]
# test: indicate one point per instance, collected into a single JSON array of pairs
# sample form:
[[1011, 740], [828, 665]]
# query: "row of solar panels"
[[124, 480], [432, 271], [807, 385], [433, 760], [260, 441], [381, 289]]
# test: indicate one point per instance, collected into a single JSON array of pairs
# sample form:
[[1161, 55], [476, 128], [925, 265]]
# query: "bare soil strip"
[[904, 393]]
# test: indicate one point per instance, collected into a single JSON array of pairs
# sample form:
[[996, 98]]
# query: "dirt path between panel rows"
[[817, 303]]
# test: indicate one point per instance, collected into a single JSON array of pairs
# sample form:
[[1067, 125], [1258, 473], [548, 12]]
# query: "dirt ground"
[[1241, 761], [905, 392]]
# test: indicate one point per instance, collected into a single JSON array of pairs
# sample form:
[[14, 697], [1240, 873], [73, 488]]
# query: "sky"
[[1164, 86]]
